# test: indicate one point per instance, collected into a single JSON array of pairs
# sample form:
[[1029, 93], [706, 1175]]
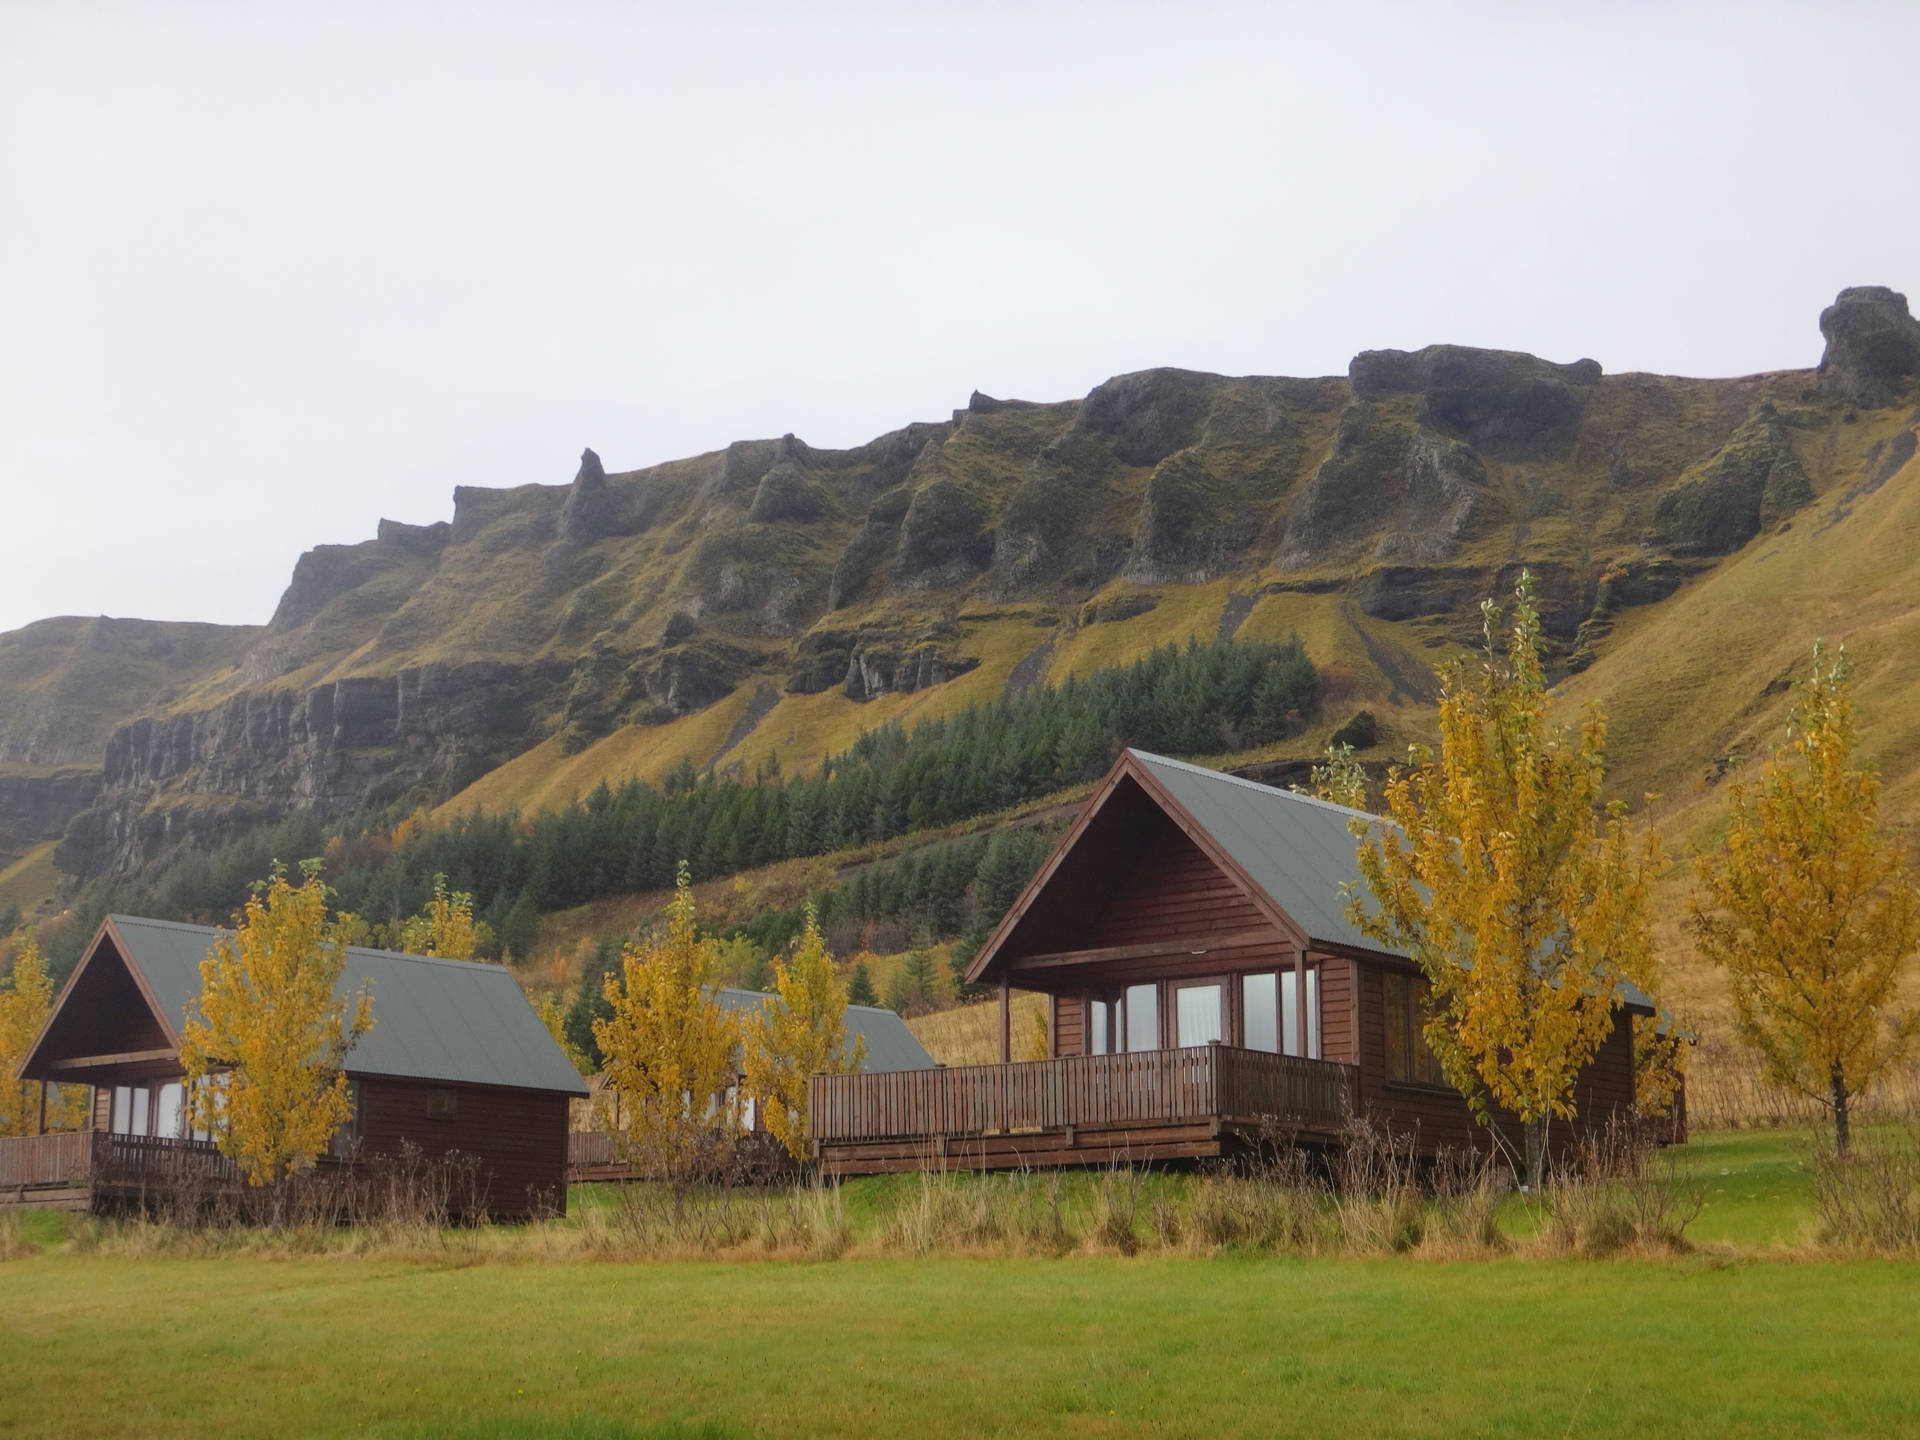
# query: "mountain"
[[769, 601]]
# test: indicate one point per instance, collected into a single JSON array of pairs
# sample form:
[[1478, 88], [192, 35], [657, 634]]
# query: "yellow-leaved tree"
[[671, 1052], [24, 1005], [1809, 910], [805, 1034], [1522, 897], [264, 1049], [446, 928], [552, 1010]]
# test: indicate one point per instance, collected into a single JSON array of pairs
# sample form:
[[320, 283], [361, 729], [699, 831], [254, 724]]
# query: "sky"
[[271, 273]]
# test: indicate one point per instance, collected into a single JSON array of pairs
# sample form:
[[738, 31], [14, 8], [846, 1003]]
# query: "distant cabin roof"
[[459, 1021], [890, 1044]]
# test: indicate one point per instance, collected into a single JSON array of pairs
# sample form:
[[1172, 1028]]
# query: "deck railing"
[[1149, 1087], [91, 1157]]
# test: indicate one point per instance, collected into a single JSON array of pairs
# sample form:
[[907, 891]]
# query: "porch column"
[[1300, 1002], [1006, 1020]]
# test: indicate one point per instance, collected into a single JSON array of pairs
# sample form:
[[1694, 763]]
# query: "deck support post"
[[1300, 1002], [1006, 1020]]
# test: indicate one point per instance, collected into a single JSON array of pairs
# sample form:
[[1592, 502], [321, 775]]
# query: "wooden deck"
[[1197, 1102], [79, 1170]]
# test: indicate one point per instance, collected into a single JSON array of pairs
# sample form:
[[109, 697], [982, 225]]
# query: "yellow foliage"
[[552, 1010], [445, 928], [1038, 1047], [805, 1034], [1498, 874], [1660, 1050], [1809, 910], [670, 1049], [269, 1023], [23, 1011]]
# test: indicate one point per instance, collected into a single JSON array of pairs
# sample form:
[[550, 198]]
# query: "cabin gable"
[[105, 1010]]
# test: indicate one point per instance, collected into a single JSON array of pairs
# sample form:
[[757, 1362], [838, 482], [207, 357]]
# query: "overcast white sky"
[[268, 274]]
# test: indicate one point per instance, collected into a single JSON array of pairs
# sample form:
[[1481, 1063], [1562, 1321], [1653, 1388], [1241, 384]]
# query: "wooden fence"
[[123, 1162], [1151, 1087]]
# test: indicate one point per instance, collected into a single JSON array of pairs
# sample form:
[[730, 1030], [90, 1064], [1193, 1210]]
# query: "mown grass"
[[955, 1347], [356, 1342]]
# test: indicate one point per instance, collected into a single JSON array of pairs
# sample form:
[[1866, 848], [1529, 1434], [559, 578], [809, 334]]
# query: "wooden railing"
[[44, 1161], [92, 1157], [1149, 1087]]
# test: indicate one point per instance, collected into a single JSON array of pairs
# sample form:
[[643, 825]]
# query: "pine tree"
[[860, 989]]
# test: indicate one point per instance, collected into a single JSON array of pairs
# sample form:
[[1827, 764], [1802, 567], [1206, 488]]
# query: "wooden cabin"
[[1203, 984], [456, 1061]]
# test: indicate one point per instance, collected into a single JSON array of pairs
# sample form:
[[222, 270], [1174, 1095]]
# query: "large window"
[[1103, 1025], [167, 1115], [1143, 1017], [1290, 1013], [1260, 1005], [1408, 1055], [1197, 1014]]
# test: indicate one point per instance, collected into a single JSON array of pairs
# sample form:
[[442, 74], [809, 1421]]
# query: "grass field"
[[1722, 1341]]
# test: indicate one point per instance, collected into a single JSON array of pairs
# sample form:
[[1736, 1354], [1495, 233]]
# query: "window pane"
[[1313, 1013], [168, 1121], [1261, 997], [1097, 1027], [122, 1110], [1396, 1019], [1143, 1017], [140, 1101], [1427, 1064], [1196, 1010], [1289, 1016]]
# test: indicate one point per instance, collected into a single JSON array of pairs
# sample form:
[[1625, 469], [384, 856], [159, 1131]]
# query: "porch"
[[85, 1169], [1194, 1102]]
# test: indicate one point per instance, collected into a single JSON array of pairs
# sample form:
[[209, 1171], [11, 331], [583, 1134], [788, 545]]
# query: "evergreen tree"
[[860, 989]]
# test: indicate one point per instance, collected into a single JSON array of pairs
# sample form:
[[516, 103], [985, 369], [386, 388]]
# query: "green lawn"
[[1716, 1342]]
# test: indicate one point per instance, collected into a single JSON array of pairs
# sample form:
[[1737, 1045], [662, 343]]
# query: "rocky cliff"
[[1373, 511]]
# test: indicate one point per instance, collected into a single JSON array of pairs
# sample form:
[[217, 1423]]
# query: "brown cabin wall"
[[1604, 1089], [519, 1136]]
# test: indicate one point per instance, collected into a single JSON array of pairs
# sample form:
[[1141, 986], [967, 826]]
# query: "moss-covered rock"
[[1753, 482]]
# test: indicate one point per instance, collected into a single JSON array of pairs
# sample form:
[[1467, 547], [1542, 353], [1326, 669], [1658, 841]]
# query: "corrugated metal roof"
[[890, 1044], [1295, 847], [458, 1021]]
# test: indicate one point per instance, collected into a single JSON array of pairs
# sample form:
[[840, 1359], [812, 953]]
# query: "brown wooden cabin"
[[1203, 983], [456, 1061]]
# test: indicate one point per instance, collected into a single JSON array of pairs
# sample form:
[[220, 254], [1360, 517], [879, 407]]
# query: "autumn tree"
[[670, 1050], [804, 1034], [24, 1006], [1039, 1047], [446, 928], [552, 1010], [1342, 779], [1809, 909], [272, 1026], [1522, 898]]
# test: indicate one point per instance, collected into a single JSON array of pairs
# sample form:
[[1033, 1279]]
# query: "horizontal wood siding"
[[1173, 892], [520, 1136], [1069, 1024], [1337, 1026], [1441, 1116]]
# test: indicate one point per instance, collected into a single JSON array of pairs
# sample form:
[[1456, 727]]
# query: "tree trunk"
[[1841, 1126], [1536, 1143]]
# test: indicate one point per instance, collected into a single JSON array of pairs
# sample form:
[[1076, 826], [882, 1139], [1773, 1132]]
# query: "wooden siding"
[[1338, 1030], [1069, 1024], [1172, 891], [1441, 1116], [519, 1136]]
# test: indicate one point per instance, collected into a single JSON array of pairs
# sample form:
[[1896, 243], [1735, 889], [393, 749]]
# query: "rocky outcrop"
[[870, 546], [943, 537], [589, 512], [1505, 404], [869, 663], [1410, 493], [1753, 483], [1873, 347], [785, 493], [1190, 525], [1149, 415], [333, 749]]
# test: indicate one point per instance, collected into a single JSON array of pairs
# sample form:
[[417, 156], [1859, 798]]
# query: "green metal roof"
[[890, 1044], [457, 1021]]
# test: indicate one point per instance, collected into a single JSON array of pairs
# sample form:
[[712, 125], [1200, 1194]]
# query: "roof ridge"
[[119, 919], [1210, 774]]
